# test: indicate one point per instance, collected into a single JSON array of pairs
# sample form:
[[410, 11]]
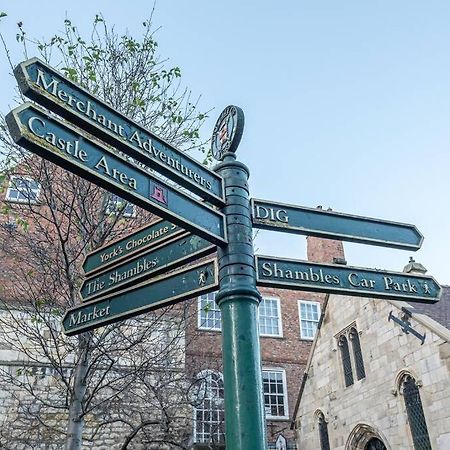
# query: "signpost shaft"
[[238, 300]]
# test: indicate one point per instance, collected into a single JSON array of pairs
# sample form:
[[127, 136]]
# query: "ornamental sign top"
[[227, 132]]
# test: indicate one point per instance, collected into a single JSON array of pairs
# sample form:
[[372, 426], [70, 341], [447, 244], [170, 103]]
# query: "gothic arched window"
[[416, 417], [357, 354], [209, 408], [346, 361], [323, 433]]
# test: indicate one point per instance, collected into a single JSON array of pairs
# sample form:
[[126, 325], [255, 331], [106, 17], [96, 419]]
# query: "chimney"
[[326, 251]]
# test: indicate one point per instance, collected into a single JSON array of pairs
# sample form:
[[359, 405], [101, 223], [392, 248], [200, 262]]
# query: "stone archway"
[[364, 437]]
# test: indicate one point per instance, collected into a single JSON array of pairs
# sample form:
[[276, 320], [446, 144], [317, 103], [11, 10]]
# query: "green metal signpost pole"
[[238, 300]]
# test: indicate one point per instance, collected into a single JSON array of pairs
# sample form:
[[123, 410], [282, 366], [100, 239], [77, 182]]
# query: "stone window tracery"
[[357, 354], [346, 361], [416, 416], [323, 432]]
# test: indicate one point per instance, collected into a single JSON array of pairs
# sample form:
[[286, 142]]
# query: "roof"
[[440, 311]]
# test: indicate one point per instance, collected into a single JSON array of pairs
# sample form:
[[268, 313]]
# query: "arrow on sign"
[[164, 257], [343, 280], [64, 145], [274, 216], [45, 85], [147, 296]]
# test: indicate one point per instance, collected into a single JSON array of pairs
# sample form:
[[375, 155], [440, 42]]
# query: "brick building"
[[287, 320]]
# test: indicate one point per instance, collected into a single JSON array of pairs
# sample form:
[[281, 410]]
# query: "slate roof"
[[440, 311]]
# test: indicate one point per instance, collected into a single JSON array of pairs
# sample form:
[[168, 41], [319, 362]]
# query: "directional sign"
[[48, 87], [64, 145], [163, 291], [164, 257], [137, 242], [344, 280], [270, 215]]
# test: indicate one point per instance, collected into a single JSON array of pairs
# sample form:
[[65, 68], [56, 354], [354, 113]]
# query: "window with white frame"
[[22, 190], [270, 317], [275, 393], [209, 421], [209, 317], [117, 205], [309, 313]]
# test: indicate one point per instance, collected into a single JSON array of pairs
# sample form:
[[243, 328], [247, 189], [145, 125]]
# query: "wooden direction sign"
[[149, 295], [344, 280], [64, 145], [166, 256], [276, 216], [141, 240], [45, 85]]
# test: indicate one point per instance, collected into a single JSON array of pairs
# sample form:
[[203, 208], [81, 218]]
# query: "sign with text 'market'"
[[143, 297]]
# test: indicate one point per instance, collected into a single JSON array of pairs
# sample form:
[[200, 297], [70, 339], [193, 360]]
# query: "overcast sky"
[[347, 104]]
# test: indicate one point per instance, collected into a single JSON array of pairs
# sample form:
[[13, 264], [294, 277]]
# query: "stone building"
[[378, 377]]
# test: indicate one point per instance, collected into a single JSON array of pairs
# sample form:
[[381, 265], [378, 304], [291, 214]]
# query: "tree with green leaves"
[[125, 380]]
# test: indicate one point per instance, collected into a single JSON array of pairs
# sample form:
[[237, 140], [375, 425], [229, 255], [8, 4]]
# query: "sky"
[[347, 104]]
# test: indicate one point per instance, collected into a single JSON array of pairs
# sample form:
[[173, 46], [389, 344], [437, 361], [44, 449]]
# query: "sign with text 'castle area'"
[[166, 256], [45, 85], [32, 128], [275, 216], [139, 241], [144, 297], [344, 280]]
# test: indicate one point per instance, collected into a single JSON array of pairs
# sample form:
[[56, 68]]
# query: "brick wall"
[[288, 352]]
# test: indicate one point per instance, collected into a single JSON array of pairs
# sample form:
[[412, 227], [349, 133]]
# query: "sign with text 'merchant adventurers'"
[[168, 255], [276, 216], [32, 128], [45, 85], [141, 298], [340, 279]]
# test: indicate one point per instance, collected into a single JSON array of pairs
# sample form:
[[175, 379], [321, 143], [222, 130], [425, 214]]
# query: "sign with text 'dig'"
[[144, 297], [46, 86], [168, 255], [344, 280], [141, 240], [32, 128], [276, 216]]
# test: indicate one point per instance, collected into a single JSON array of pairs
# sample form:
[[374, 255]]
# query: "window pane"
[[209, 316], [22, 189], [274, 393], [309, 319], [209, 411], [269, 317], [117, 205]]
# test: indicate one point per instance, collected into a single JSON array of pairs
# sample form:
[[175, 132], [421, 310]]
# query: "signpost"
[[45, 85], [119, 285], [276, 216], [343, 280], [166, 256], [64, 145], [141, 298], [137, 242]]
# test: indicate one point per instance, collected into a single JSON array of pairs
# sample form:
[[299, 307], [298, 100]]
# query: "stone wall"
[[374, 406]]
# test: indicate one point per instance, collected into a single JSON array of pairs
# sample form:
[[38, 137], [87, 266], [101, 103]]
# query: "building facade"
[[287, 323], [378, 378]]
